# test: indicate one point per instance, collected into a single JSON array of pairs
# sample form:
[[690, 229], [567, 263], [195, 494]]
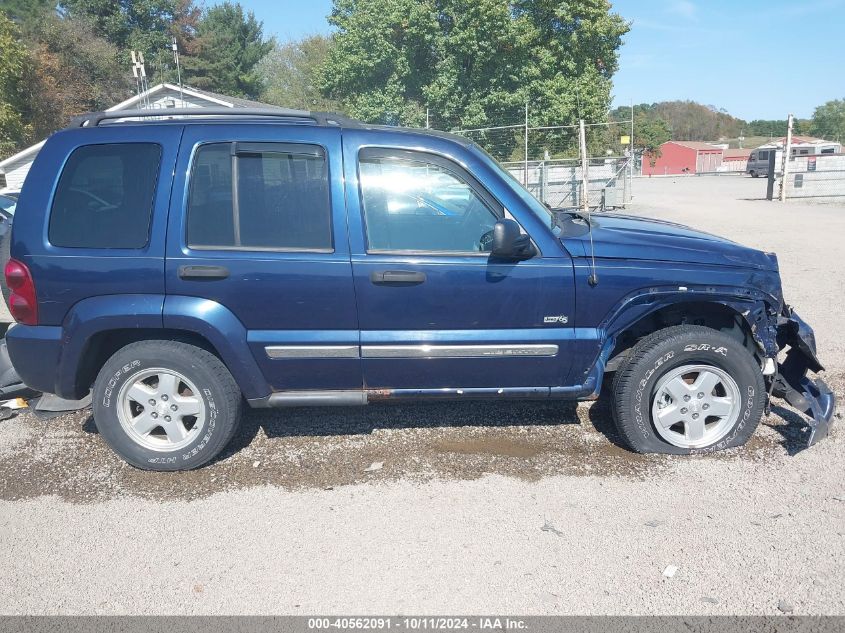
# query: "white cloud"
[[684, 8]]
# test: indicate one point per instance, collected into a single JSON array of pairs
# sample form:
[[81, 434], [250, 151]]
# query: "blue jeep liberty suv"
[[183, 266]]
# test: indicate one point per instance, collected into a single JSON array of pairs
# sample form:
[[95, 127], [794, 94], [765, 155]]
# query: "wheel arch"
[[96, 328], [739, 319]]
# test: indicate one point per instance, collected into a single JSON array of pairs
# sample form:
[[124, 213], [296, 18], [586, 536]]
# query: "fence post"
[[787, 149], [526, 145], [585, 186], [770, 177], [541, 183]]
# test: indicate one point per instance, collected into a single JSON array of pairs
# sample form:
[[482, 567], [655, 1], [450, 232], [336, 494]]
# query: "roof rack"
[[93, 119]]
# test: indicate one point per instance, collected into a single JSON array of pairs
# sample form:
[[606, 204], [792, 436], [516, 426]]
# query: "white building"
[[159, 97]]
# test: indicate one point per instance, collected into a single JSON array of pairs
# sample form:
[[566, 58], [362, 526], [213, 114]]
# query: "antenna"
[[139, 72], [593, 279], [178, 71]]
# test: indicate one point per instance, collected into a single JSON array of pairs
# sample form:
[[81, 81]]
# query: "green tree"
[[27, 11], [229, 45], [829, 121], [73, 71], [145, 25], [288, 74], [773, 128], [474, 63], [650, 129], [15, 64]]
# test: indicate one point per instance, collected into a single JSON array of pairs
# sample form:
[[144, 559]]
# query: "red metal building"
[[683, 157]]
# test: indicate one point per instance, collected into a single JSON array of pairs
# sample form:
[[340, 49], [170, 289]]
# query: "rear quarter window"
[[104, 198]]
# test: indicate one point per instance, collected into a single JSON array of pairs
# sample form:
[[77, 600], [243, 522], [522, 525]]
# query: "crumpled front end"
[[811, 396]]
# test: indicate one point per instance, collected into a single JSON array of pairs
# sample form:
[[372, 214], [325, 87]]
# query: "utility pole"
[[427, 119], [526, 145], [585, 182], [787, 150], [631, 154]]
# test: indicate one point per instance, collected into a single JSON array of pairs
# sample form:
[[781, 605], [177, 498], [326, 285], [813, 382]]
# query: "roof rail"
[[93, 119]]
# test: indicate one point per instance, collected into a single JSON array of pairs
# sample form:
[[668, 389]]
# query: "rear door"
[[258, 225]]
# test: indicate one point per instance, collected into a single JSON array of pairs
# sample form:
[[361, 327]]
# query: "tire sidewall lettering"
[[642, 395], [111, 385]]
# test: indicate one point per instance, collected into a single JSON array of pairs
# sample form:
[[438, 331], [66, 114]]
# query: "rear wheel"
[[688, 389], [166, 405]]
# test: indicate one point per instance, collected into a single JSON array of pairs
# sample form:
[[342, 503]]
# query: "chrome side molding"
[[456, 351], [348, 398], [312, 351], [410, 351]]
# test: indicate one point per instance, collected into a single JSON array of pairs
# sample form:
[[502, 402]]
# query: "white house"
[[159, 97]]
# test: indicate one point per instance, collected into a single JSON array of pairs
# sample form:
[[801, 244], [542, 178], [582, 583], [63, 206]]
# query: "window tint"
[[415, 205], [259, 196], [105, 196], [763, 156]]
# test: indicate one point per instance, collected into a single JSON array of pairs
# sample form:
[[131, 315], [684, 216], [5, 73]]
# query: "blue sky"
[[754, 58]]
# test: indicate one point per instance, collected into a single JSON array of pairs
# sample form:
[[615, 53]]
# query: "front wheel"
[[166, 405], [688, 389]]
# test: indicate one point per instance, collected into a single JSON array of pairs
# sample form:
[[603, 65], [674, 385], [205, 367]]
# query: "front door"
[[435, 311], [263, 235]]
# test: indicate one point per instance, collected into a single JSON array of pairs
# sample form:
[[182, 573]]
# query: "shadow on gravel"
[[792, 427], [364, 421], [323, 448]]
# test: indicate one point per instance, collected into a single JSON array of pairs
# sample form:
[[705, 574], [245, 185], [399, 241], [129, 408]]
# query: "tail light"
[[23, 303]]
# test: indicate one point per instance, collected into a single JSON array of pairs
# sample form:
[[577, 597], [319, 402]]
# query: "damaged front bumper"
[[811, 396]]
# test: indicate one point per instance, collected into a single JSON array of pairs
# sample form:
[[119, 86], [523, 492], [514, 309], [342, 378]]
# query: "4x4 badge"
[[558, 318]]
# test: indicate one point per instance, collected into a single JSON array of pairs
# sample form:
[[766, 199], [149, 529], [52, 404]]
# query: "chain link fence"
[[548, 161]]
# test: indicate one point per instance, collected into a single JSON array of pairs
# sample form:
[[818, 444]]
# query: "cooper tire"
[[147, 382], [683, 356]]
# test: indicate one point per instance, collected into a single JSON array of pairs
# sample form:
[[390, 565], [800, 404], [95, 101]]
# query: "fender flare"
[[95, 315], [220, 327], [758, 309], [209, 319]]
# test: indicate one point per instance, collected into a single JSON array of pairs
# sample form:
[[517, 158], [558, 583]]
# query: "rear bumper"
[[35, 352], [811, 396]]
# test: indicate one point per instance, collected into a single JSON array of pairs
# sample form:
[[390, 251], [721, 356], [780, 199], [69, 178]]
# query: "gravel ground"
[[478, 508]]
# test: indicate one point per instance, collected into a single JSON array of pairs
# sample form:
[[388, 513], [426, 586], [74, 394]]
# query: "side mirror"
[[510, 243]]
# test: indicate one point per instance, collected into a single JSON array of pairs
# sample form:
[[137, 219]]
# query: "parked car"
[[7, 214], [182, 268]]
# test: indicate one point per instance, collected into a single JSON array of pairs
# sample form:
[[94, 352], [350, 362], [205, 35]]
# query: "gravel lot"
[[479, 508]]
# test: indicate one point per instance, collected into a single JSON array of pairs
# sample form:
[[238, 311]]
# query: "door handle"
[[397, 277], [203, 272]]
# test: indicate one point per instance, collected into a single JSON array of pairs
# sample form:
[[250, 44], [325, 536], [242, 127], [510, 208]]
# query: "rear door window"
[[104, 198], [260, 196]]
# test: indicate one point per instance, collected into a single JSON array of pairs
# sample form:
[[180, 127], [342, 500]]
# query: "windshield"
[[543, 213]]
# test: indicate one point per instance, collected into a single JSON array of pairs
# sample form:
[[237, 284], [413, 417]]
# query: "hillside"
[[693, 121]]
